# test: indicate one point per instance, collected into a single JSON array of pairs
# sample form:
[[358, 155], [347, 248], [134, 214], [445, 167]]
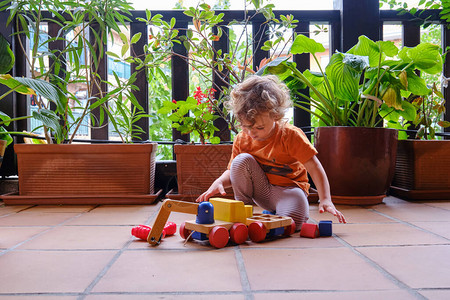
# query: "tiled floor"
[[395, 250]]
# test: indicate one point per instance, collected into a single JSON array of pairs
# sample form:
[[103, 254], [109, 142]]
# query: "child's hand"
[[327, 205], [215, 188]]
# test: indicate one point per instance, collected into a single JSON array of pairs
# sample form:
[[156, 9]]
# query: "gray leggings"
[[250, 185]]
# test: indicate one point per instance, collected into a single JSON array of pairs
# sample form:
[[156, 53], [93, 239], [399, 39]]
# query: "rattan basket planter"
[[85, 174], [197, 168], [422, 170]]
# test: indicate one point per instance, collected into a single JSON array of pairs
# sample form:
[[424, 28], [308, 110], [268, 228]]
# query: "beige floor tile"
[[439, 228], [59, 209], [439, 204], [36, 219], [294, 241], [81, 237], [171, 271], [311, 269], [416, 266], [11, 236], [50, 271], [37, 297], [352, 215], [167, 296], [5, 210], [436, 294], [126, 208], [112, 218], [411, 212], [356, 295], [385, 234]]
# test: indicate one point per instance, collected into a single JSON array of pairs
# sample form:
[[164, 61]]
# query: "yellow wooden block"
[[230, 210]]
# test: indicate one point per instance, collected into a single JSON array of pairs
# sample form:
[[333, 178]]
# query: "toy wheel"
[[257, 231], [218, 237], [288, 230], [238, 233], [184, 233]]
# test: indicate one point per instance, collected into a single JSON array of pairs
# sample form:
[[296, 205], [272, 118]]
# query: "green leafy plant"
[[429, 113], [368, 84], [25, 86], [208, 63], [195, 115], [75, 64]]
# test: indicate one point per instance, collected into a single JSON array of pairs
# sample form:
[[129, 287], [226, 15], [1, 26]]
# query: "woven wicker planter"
[[423, 170], [197, 168], [85, 174]]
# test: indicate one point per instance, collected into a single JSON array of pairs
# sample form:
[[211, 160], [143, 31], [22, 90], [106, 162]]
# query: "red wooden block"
[[309, 230]]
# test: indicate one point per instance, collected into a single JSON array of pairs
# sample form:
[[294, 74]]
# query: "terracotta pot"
[[422, 170], [197, 168], [85, 174], [359, 162]]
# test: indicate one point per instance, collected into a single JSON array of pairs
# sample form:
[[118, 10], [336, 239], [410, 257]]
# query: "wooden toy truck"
[[221, 220]]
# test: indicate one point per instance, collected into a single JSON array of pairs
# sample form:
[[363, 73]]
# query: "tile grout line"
[[409, 224], [103, 272], [246, 288], [50, 228], [108, 266], [380, 269]]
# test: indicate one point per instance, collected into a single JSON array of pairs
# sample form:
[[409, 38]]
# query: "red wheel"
[[288, 230], [257, 231], [238, 233], [218, 237], [184, 233]]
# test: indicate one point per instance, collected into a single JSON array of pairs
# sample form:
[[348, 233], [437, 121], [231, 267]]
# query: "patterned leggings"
[[250, 185]]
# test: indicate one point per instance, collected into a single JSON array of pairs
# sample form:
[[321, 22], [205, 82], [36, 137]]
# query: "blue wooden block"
[[276, 231], [325, 228]]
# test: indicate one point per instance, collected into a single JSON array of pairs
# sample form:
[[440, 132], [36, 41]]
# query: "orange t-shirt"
[[281, 156]]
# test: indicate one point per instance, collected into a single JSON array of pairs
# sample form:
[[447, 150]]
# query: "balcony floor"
[[395, 250]]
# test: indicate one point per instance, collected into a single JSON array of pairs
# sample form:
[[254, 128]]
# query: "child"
[[270, 157]]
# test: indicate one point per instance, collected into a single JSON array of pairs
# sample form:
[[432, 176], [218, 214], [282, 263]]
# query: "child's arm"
[[217, 187], [318, 175]]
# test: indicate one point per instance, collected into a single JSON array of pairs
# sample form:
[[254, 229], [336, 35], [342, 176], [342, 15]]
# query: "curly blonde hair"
[[259, 94]]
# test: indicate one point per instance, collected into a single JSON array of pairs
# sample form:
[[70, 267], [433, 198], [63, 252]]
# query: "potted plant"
[[352, 98], [213, 71], [61, 171], [197, 164], [421, 171]]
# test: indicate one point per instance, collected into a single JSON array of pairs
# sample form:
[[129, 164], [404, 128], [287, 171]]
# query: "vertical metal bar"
[[220, 80], [99, 87], [302, 118], [358, 18], [180, 76], [259, 34], [141, 80], [446, 73]]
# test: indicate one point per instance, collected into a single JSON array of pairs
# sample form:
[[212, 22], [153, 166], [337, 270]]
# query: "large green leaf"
[[6, 56], [367, 47], [416, 84], [13, 84], [426, 57], [304, 44], [46, 90], [49, 119], [343, 77]]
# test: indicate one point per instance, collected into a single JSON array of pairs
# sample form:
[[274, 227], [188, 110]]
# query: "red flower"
[[174, 101]]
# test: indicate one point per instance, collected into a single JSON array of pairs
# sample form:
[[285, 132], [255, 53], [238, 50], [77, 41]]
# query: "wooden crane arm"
[[168, 206]]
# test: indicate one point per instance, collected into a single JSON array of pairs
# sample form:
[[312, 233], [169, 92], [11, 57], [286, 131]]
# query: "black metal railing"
[[16, 104]]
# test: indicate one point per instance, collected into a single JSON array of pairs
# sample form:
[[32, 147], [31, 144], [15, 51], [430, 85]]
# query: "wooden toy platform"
[[270, 221]]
